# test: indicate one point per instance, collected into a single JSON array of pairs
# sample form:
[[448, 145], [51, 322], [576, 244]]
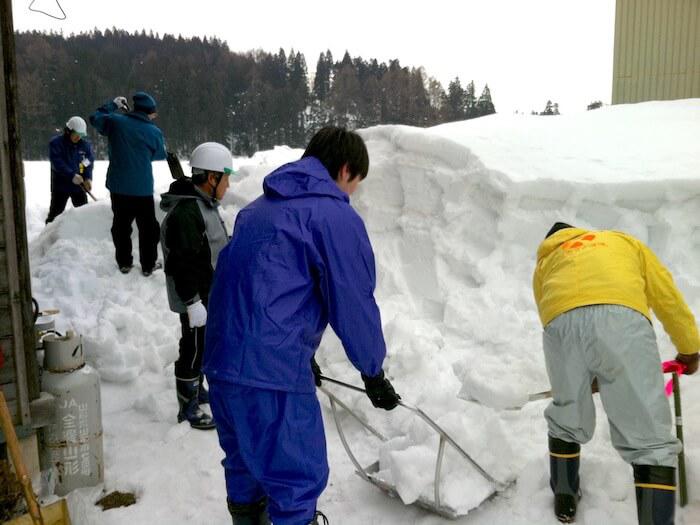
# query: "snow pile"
[[455, 214]]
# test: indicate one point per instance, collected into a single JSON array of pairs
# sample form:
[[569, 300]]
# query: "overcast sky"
[[527, 50]]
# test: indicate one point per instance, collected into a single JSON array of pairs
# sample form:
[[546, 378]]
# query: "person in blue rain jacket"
[[299, 259], [71, 159], [134, 141]]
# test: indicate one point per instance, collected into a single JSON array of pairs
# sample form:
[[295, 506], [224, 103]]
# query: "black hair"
[[200, 176], [335, 147], [557, 226]]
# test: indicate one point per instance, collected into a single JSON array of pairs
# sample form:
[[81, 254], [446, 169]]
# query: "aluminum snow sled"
[[370, 473]]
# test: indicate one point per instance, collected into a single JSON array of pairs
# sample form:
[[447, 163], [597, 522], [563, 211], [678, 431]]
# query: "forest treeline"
[[250, 101]]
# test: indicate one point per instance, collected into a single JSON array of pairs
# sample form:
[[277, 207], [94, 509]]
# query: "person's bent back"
[[578, 267], [595, 291]]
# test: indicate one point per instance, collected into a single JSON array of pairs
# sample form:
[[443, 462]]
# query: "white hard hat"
[[212, 156], [78, 125]]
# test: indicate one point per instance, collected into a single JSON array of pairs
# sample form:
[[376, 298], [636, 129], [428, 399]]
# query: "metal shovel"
[[435, 505]]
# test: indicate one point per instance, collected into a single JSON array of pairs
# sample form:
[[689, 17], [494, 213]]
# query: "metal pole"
[[682, 486]]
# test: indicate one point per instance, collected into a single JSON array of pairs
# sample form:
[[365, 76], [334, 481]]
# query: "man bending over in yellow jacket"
[[594, 291]]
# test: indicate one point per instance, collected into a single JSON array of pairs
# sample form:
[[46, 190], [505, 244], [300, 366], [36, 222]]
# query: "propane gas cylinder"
[[73, 441]]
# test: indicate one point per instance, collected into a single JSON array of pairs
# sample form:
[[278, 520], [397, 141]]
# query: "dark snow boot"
[[147, 272], [655, 488], [203, 395], [319, 519], [249, 513], [187, 394], [564, 459]]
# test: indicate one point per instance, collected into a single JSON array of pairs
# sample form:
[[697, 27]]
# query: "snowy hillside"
[[455, 214]]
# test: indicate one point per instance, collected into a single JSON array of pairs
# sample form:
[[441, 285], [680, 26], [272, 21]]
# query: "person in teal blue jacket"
[[134, 141]]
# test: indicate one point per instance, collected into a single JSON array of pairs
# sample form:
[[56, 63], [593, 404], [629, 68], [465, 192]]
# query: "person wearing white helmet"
[[192, 235], [71, 167]]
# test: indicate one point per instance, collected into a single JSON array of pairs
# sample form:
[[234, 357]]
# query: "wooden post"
[[12, 209]]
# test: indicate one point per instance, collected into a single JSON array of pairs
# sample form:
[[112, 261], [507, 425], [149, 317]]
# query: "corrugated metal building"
[[657, 50]]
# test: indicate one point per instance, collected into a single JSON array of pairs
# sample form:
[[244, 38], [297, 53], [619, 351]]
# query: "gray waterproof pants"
[[618, 346]]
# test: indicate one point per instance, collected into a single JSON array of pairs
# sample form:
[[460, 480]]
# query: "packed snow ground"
[[455, 214]]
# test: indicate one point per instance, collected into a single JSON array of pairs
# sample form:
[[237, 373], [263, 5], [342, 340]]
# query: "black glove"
[[380, 392], [316, 370], [690, 361]]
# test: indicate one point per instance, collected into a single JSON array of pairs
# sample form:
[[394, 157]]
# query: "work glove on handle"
[[78, 179], [690, 361], [87, 184], [196, 314], [121, 103], [316, 370], [380, 392]]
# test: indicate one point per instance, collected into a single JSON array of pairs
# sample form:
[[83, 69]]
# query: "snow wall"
[[455, 214]]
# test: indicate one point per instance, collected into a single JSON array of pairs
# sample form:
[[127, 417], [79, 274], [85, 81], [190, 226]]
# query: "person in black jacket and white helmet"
[[192, 235]]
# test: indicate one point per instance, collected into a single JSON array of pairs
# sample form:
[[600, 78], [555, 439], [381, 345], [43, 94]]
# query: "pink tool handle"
[[669, 367]]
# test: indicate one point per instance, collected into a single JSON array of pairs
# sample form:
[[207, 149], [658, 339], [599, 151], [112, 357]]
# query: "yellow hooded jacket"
[[577, 267]]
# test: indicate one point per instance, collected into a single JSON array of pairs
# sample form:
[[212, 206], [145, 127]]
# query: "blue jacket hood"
[[299, 260], [302, 178]]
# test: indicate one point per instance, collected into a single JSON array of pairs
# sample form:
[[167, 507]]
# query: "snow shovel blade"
[[443, 510], [174, 166], [370, 473]]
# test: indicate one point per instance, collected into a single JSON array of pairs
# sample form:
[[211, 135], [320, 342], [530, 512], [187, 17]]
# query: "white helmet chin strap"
[[218, 177]]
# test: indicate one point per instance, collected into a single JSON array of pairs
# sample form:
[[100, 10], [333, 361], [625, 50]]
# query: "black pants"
[[126, 209], [189, 364], [59, 201]]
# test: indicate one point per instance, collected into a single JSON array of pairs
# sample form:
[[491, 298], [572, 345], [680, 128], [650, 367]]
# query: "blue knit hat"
[[144, 102]]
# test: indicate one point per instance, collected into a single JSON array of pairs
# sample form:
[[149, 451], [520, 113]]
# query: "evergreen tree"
[[345, 93], [436, 95], [205, 92], [454, 103], [548, 109], [470, 108], [322, 77], [485, 106]]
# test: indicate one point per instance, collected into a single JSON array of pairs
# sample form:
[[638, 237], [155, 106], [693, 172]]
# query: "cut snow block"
[[415, 474], [495, 394]]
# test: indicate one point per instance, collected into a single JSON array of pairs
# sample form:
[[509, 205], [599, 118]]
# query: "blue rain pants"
[[275, 447]]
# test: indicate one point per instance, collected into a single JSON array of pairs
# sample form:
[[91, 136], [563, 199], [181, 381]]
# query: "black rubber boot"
[[249, 513], [655, 488], [203, 395], [319, 519], [187, 394], [564, 460]]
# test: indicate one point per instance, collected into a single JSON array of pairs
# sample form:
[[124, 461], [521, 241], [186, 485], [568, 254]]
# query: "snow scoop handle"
[[672, 367], [341, 383], [357, 389], [88, 191]]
